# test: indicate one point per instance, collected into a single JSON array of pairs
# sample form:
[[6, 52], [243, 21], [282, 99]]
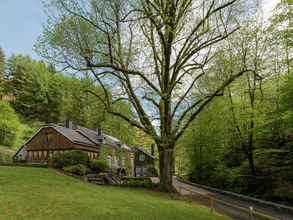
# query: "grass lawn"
[[40, 193]]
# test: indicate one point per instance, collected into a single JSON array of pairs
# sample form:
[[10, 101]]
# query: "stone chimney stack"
[[68, 124], [99, 131]]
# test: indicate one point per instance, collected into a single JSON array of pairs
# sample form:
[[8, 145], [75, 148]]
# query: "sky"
[[21, 24]]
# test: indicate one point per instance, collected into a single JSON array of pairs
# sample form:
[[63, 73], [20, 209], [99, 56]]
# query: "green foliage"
[[104, 152], [286, 98], [78, 169], [10, 126], [283, 193], [98, 165], [281, 22], [69, 158], [46, 96], [29, 129], [213, 145], [36, 89], [4, 158], [205, 141], [139, 182], [88, 111], [6, 155]]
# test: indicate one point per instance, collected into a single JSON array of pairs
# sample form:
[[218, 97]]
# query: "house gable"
[[49, 139], [54, 138]]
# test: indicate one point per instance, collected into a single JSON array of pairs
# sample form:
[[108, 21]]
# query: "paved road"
[[202, 196]]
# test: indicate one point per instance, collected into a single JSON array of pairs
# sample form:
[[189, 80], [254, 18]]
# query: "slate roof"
[[102, 138], [90, 134], [73, 135], [86, 136]]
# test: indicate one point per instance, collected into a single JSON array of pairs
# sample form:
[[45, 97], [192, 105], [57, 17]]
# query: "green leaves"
[[10, 127]]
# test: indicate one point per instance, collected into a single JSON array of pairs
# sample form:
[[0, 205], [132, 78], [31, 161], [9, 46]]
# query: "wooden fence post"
[[212, 204], [251, 212]]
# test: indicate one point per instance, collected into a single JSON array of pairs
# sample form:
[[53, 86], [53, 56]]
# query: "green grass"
[[40, 193]]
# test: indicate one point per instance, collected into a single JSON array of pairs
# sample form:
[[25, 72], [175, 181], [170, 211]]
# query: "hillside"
[[39, 193]]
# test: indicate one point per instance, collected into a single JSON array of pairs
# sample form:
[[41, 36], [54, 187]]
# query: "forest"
[[243, 141], [35, 94], [218, 106]]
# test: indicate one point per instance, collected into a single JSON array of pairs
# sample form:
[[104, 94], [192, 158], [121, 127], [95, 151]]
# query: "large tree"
[[151, 53]]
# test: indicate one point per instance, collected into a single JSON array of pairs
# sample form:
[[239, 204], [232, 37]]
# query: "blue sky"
[[20, 25]]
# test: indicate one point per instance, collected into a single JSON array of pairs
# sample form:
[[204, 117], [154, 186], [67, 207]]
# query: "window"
[[141, 157], [138, 171], [144, 171], [49, 138]]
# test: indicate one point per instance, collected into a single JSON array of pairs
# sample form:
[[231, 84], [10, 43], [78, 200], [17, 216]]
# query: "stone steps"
[[103, 179], [96, 178]]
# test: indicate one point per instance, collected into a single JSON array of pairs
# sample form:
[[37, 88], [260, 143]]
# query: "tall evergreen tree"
[[2, 69], [2, 61]]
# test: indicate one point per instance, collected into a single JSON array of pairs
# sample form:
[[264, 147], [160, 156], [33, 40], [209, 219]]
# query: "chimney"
[[99, 131], [153, 149], [68, 124]]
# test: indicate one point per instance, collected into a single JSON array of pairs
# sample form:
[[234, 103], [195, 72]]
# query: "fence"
[[237, 211]]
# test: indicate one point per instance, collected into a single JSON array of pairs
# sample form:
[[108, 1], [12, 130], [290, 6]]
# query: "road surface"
[[229, 204]]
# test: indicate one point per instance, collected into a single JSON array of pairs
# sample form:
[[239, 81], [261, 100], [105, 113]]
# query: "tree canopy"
[[151, 54]]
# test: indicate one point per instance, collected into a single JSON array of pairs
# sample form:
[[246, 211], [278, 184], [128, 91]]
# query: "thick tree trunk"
[[166, 169], [250, 144]]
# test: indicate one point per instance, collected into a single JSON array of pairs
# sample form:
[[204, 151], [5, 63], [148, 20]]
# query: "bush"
[[69, 158], [78, 169], [98, 165], [227, 178], [4, 158], [140, 182]]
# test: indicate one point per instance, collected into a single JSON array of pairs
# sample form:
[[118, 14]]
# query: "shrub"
[[98, 165], [69, 158], [78, 169], [4, 158]]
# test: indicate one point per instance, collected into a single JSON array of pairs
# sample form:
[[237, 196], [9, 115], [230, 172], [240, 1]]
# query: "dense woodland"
[[241, 139], [37, 95]]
